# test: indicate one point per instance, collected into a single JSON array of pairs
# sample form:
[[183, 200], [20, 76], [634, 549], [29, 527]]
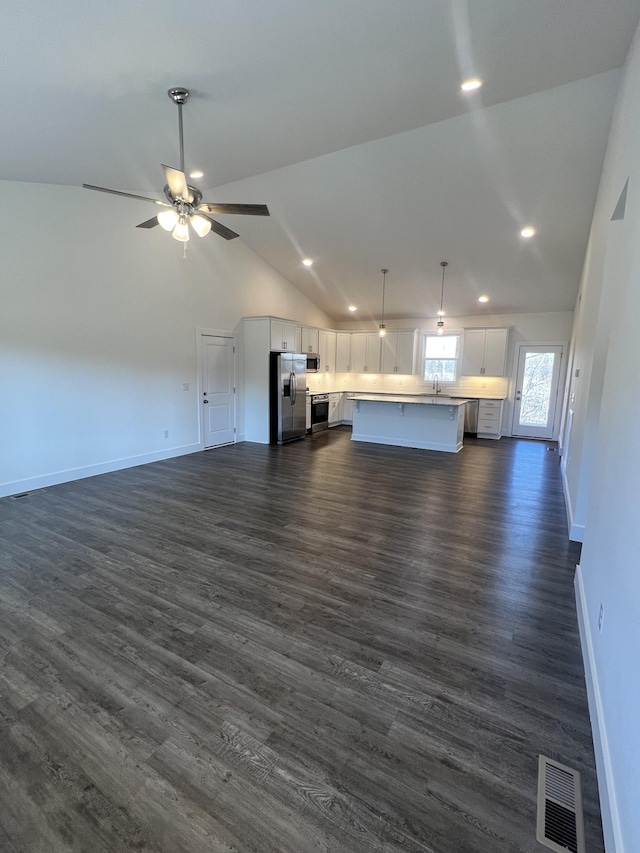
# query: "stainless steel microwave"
[[313, 363]]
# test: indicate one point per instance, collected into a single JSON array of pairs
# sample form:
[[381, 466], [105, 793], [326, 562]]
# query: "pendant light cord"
[[384, 282], [444, 265]]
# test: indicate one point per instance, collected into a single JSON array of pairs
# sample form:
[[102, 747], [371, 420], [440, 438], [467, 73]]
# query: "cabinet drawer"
[[490, 404], [488, 426], [488, 414]]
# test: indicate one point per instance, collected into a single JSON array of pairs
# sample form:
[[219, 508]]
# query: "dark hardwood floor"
[[327, 646]]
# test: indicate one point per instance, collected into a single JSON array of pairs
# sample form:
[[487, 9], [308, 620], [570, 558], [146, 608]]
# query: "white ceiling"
[[345, 117]]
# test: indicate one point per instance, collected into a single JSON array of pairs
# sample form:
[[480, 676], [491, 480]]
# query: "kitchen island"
[[428, 422]]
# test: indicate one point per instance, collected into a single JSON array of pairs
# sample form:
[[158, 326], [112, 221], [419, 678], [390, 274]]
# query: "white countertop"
[[430, 400]]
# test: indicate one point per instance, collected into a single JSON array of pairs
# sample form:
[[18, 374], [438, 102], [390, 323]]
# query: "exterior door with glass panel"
[[537, 383]]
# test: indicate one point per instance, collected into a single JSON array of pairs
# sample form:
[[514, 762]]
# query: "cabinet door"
[[277, 335], [473, 354], [359, 352], [309, 342], [335, 415], [343, 352], [495, 352], [291, 337], [373, 352], [347, 409], [327, 351], [389, 348], [405, 352]]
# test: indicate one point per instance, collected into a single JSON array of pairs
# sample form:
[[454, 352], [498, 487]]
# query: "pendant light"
[[382, 328], [440, 324]]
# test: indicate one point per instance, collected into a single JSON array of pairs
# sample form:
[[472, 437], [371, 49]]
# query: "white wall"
[[97, 331], [603, 471]]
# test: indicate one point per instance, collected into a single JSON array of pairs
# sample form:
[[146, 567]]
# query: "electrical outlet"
[[600, 618], [166, 433], [185, 386]]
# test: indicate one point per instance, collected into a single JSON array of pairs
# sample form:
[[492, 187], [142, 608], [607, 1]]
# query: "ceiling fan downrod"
[[179, 95]]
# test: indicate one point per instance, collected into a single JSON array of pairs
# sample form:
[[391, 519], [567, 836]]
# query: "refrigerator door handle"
[[294, 388]]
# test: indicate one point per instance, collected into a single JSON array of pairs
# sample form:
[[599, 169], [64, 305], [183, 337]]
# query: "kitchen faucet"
[[436, 384]]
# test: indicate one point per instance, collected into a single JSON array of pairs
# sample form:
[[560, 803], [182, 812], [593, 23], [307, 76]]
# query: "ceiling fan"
[[184, 206]]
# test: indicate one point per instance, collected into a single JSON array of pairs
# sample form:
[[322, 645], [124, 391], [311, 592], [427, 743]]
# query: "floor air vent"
[[560, 822], [26, 494]]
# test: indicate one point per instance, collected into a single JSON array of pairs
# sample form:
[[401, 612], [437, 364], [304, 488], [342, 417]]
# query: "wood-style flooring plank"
[[327, 646]]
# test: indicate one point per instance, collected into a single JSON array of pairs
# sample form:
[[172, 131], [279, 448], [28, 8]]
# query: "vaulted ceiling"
[[346, 118]]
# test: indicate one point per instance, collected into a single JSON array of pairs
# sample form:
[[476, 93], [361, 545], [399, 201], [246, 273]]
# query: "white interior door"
[[537, 382], [218, 391]]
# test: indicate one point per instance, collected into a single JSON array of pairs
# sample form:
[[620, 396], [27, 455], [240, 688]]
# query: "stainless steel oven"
[[319, 412]]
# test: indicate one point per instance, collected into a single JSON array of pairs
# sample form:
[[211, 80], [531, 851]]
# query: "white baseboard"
[[53, 479], [406, 442], [576, 531], [606, 782]]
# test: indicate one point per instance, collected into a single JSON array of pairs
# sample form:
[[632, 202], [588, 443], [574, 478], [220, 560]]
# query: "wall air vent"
[[560, 820]]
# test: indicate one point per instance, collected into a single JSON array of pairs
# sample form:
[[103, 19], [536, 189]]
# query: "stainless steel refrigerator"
[[288, 372]]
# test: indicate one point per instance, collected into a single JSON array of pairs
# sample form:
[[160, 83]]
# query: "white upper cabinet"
[[310, 340], [343, 352], [365, 352], [485, 352], [495, 352], [326, 350], [285, 336], [398, 352]]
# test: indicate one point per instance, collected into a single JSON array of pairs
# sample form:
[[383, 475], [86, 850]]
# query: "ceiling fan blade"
[[126, 195], [150, 223], [177, 182], [240, 209], [219, 228]]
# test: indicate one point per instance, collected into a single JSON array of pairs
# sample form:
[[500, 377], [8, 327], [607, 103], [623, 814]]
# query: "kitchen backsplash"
[[473, 386]]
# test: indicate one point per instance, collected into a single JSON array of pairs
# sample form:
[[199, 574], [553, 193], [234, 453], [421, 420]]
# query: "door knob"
[[205, 401]]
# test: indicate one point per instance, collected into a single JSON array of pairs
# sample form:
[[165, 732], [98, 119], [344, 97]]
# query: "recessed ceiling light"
[[483, 298], [527, 232], [470, 85], [353, 307], [196, 174], [307, 262]]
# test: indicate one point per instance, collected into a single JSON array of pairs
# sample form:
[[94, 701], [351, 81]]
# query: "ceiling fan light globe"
[[181, 232], [168, 219], [201, 225]]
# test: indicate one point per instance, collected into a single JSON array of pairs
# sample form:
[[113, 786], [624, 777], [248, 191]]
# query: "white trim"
[[606, 781], [406, 442], [449, 387], [576, 531], [559, 396], [216, 333], [57, 477]]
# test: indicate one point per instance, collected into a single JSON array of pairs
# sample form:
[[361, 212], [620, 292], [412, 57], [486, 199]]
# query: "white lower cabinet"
[[335, 409], [489, 418], [347, 410]]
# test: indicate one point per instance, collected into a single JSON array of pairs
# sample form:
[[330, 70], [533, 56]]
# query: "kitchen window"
[[441, 355]]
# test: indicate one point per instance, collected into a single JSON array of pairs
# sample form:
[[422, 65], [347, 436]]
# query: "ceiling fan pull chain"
[[184, 251]]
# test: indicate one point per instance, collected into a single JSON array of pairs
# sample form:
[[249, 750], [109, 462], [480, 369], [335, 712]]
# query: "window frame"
[[445, 385]]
